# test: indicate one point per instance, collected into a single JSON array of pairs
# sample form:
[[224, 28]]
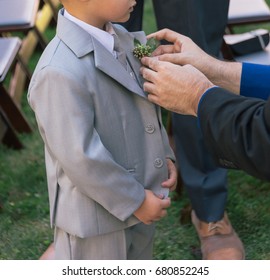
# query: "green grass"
[[24, 213]]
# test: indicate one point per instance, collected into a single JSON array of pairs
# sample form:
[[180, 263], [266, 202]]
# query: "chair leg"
[[12, 112], [226, 51], [24, 67], [9, 138], [41, 39], [53, 8]]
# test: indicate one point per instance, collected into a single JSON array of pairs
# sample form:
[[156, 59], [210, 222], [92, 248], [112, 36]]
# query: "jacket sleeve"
[[236, 130]]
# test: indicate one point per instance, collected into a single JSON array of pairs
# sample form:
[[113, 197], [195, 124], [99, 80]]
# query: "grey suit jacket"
[[104, 141]]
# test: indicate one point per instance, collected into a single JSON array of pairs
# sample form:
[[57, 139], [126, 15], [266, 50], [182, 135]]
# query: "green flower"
[[141, 50]]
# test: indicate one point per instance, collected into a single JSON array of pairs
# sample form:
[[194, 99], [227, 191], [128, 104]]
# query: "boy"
[[107, 153]]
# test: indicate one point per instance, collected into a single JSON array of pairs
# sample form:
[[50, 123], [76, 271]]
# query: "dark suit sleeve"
[[236, 130]]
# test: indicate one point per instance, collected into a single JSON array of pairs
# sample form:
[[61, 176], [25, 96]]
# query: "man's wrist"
[[201, 97]]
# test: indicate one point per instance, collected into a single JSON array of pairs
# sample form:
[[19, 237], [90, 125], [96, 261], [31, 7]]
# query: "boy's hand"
[[171, 182], [152, 209]]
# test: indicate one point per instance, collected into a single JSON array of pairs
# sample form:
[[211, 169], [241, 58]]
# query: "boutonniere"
[[141, 50]]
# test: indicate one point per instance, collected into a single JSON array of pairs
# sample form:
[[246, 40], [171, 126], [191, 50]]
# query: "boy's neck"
[[79, 12], [107, 27]]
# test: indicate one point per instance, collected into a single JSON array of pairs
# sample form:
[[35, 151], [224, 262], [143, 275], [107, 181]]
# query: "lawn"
[[24, 213]]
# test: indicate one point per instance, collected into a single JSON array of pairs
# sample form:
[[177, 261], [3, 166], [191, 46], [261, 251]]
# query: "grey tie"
[[121, 55]]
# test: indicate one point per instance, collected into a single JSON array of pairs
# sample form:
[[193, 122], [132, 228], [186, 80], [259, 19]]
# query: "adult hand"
[[176, 88], [181, 50]]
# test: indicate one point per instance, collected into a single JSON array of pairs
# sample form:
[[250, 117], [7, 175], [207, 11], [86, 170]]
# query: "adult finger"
[[166, 34], [148, 74], [162, 49], [175, 58], [154, 99], [150, 88], [153, 63], [150, 62]]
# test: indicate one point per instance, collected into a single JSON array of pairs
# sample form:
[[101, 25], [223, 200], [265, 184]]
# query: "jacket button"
[[132, 75], [158, 163], [149, 128]]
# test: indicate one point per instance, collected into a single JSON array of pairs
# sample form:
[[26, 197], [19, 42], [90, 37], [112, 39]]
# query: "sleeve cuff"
[[198, 109], [254, 81]]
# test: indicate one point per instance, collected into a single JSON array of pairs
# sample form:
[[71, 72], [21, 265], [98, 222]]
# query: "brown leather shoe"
[[218, 239]]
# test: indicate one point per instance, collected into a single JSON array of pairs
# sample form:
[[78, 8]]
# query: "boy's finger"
[[165, 203]]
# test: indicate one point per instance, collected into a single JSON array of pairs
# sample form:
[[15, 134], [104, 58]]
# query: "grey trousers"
[[133, 243]]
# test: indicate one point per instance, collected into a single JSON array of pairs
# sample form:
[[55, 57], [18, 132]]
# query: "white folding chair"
[[243, 12], [20, 16], [249, 13]]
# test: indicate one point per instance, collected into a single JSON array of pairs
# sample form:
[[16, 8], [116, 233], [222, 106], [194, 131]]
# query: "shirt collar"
[[104, 37]]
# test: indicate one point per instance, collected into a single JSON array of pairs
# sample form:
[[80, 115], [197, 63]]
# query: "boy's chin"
[[124, 19]]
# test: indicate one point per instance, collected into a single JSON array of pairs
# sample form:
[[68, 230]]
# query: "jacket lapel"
[[110, 66], [82, 43], [128, 42]]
